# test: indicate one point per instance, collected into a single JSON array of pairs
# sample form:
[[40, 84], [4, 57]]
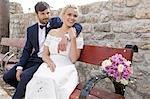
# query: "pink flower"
[[130, 70]]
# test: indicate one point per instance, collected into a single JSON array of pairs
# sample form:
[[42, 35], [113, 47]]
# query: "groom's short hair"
[[41, 6]]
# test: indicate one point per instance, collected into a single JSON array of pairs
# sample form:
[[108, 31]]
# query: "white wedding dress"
[[60, 83]]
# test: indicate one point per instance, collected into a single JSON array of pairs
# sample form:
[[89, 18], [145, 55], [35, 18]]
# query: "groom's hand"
[[52, 66], [18, 74], [62, 44]]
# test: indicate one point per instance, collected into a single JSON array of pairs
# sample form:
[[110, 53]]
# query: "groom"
[[30, 60]]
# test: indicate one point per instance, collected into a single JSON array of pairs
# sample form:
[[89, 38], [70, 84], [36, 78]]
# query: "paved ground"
[[3, 94], [6, 91]]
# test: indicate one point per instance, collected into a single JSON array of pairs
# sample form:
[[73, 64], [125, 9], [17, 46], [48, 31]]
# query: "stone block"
[[92, 18], [81, 19], [120, 14], [87, 28], [118, 3], [145, 46], [15, 8], [84, 9], [137, 26], [102, 27], [105, 16], [131, 3], [145, 37], [142, 13], [142, 26]]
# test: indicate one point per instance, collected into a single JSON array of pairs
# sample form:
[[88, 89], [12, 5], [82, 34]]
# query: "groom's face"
[[43, 16]]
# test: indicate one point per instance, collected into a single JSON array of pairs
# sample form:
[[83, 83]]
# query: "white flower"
[[123, 81], [128, 63], [131, 82], [120, 68], [48, 25], [106, 63]]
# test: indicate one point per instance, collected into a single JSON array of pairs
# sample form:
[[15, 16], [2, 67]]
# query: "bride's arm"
[[46, 58], [74, 52]]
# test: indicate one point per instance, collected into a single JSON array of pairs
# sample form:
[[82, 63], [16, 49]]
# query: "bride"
[[57, 77]]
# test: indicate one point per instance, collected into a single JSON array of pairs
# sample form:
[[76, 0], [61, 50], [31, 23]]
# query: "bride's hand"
[[72, 33], [52, 66]]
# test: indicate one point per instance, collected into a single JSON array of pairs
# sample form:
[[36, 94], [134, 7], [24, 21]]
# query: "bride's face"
[[70, 16]]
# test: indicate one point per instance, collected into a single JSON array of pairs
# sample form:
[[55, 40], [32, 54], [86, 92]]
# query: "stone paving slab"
[[3, 94]]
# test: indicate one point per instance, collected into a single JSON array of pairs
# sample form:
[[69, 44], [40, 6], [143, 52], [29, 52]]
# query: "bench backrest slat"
[[96, 54], [13, 42]]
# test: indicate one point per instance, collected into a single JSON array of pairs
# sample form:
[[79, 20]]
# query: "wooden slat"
[[76, 93], [96, 54], [14, 42]]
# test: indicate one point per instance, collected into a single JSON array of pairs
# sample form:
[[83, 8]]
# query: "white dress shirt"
[[41, 35]]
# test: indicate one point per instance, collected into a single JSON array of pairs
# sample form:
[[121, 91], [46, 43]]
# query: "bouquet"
[[118, 68]]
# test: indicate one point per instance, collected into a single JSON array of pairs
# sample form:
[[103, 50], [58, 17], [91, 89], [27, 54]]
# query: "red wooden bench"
[[92, 55]]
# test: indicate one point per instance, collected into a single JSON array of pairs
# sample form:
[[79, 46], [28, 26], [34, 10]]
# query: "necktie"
[[42, 26]]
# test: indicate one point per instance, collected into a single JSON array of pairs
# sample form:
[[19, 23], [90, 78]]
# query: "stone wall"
[[15, 8], [4, 22], [114, 23]]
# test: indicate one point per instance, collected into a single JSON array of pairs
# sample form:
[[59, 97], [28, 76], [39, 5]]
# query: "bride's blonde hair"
[[63, 11]]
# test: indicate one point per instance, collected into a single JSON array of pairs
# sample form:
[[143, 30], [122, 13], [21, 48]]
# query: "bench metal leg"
[[5, 60], [2, 60]]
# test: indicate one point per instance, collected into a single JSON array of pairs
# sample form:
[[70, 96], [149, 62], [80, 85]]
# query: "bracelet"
[[68, 37]]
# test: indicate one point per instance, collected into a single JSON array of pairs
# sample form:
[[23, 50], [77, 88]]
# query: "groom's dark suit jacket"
[[31, 47]]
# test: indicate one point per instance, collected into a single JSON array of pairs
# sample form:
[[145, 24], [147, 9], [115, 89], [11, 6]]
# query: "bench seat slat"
[[76, 93], [100, 93]]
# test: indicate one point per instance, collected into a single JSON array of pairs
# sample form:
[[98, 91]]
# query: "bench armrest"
[[119, 88], [3, 58], [133, 47], [7, 61]]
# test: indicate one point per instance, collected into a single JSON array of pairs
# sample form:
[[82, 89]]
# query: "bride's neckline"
[[56, 36], [53, 36]]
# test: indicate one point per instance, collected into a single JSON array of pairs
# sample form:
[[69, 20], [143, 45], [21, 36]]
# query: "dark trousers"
[[28, 71]]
